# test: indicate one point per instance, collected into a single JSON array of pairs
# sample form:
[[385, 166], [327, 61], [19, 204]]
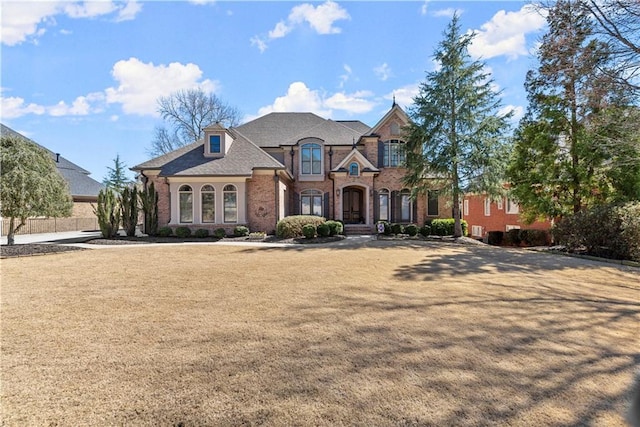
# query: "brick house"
[[285, 164], [484, 214]]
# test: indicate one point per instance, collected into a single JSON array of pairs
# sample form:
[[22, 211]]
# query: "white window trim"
[[387, 193], [509, 227], [487, 207], [499, 203], [357, 169], [311, 176], [512, 207], [312, 193], [202, 192], [465, 209], [476, 230]]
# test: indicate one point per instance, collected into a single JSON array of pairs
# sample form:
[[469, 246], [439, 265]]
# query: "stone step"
[[356, 229]]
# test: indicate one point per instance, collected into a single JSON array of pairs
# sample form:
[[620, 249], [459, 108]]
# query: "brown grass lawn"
[[389, 333]]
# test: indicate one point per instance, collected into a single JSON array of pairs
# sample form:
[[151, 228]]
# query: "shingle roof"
[[243, 157], [276, 129], [78, 179]]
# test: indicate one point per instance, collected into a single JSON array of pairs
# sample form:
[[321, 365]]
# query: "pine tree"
[[116, 178], [559, 160], [456, 132]]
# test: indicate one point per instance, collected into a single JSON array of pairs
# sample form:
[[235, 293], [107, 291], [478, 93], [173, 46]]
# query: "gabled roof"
[[356, 155], [277, 129], [78, 179], [395, 110], [241, 159]]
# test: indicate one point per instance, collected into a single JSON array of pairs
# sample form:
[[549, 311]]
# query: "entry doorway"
[[353, 205]]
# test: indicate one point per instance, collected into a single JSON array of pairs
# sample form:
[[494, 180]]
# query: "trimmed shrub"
[[411, 230], [512, 237], [495, 238], [534, 237], [220, 233], [323, 230], [201, 233], [309, 231], [425, 230], [183, 232], [291, 226], [335, 227], [446, 226], [397, 228], [257, 235], [608, 231], [240, 231], [386, 228], [165, 231]]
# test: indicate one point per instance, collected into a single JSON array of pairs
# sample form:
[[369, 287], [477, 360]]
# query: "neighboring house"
[[84, 191], [285, 164], [484, 214]]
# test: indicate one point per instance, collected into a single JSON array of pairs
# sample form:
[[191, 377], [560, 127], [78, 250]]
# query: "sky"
[[83, 78]]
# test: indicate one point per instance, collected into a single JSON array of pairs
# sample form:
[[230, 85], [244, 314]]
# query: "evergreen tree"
[[558, 164], [31, 184], [117, 178], [456, 132]]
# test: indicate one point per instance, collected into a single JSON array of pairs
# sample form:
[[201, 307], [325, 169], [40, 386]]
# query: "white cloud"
[[13, 107], [425, 7], [320, 18], [29, 20], [404, 95], [518, 112], [383, 71], [446, 13], [82, 106], [346, 76], [141, 84], [300, 98], [505, 33]]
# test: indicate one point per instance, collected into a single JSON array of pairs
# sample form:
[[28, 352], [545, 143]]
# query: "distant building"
[[84, 191], [484, 214]]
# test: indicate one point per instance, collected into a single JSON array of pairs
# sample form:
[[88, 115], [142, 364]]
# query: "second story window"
[[393, 153], [214, 144], [354, 169], [311, 159]]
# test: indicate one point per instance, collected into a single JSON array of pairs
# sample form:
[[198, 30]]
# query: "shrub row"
[[610, 231], [184, 232], [516, 237], [445, 226], [293, 226]]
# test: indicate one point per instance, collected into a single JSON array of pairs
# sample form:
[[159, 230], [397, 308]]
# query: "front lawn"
[[390, 333]]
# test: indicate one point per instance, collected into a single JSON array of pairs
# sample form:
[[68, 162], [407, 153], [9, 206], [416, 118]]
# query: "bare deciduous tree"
[[186, 113]]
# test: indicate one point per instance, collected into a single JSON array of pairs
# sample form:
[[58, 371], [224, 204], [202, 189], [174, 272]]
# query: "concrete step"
[[357, 229]]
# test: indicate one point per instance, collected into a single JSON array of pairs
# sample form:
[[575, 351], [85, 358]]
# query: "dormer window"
[[214, 144], [354, 169]]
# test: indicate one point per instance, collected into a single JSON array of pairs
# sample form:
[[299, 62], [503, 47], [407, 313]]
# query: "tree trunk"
[[11, 240]]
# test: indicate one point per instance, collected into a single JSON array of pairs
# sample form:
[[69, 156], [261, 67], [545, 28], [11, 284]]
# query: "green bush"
[[240, 231], [309, 231], [425, 230], [495, 238], [183, 232], [609, 231], [323, 230], [201, 233], [411, 230], [335, 227], [512, 237], [445, 226], [257, 235], [397, 228], [220, 233], [386, 230], [291, 226], [534, 237], [165, 231]]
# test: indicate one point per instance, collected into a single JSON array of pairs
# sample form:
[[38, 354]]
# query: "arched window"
[[208, 203], [230, 196], [354, 169], [185, 195], [311, 202], [311, 159], [383, 205]]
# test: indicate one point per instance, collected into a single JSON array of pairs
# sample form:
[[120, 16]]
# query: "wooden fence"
[[52, 225]]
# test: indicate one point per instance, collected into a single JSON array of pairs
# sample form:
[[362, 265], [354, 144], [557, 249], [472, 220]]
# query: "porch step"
[[357, 229]]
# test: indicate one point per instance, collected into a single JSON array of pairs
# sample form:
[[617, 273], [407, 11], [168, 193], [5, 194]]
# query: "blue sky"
[[82, 78]]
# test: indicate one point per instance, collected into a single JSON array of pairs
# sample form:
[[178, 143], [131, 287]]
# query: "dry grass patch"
[[387, 334]]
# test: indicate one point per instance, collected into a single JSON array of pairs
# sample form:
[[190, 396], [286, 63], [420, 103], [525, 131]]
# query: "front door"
[[352, 201]]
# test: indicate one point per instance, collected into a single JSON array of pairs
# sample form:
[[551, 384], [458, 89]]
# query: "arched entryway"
[[353, 205]]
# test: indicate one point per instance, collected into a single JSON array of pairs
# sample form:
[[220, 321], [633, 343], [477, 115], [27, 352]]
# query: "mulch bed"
[[31, 249]]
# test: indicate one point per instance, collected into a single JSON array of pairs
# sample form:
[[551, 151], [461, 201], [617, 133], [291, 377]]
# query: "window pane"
[[316, 154], [385, 160], [406, 208], [317, 167], [306, 205], [317, 205], [214, 143], [306, 167], [208, 207], [384, 207], [432, 203], [186, 207], [306, 154], [230, 207]]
